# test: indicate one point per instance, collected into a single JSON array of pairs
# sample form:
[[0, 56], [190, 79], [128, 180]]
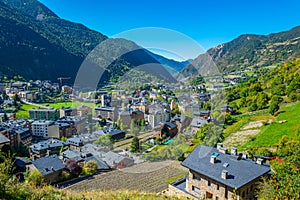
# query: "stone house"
[[51, 168], [181, 121], [196, 123], [217, 174], [44, 148], [168, 130], [4, 141]]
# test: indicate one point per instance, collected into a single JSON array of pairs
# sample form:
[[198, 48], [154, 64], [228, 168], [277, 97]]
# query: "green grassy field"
[[71, 104], [243, 119], [272, 133], [23, 112]]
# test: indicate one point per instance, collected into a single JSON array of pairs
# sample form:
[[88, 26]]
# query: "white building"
[[156, 118], [40, 128]]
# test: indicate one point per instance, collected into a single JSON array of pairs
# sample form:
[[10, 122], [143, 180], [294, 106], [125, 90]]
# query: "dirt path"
[[246, 132]]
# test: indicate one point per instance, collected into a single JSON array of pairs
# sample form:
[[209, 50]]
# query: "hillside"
[[251, 50], [269, 107], [37, 44], [279, 85]]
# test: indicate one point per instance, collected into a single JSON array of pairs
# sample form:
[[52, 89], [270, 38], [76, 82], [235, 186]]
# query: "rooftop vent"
[[213, 159], [223, 150], [260, 161], [224, 174], [225, 165], [219, 145], [233, 151]]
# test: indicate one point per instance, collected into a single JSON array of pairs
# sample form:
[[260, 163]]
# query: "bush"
[[90, 167]]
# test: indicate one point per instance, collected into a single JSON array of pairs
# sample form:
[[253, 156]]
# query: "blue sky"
[[209, 22]]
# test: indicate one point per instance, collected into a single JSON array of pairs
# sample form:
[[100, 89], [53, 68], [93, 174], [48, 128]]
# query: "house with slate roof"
[[47, 147], [3, 140], [169, 130], [216, 174], [51, 168], [83, 157]]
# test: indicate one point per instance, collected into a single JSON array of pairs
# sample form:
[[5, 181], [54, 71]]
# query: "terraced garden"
[[145, 177]]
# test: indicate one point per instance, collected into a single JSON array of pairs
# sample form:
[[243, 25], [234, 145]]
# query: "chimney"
[[260, 161], [223, 150], [233, 151], [219, 145], [213, 159], [245, 155], [224, 174]]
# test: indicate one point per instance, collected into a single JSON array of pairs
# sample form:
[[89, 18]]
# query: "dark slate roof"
[[115, 132], [171, 125], [74, 141], [198, 122], [179, 118], [51, 143], [109, 109], [72, 154], [100, 163], [3, 139], [48, 164], [22, 162], [138, 112], [240, 171]]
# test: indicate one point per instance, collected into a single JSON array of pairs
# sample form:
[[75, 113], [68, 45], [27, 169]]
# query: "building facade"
[[44, 114], [217, 174], [108, 113], [40, 128]]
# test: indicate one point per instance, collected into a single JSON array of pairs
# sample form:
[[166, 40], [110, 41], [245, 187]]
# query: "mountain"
[[250, 50], [36, 44], [172, 66], [31, 7]]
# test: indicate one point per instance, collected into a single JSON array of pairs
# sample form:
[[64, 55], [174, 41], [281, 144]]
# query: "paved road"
[[34, 104]]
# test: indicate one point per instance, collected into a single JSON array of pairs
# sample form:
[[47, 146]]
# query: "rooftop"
[[240, 171], [48, 164], [110, 109], [3, 139]]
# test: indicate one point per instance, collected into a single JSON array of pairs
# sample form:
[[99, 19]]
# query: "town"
[[107, 130]]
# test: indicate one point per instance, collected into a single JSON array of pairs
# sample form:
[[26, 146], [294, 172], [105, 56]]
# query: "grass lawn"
[[272, 133], [23, 112], [71, 104], [244, 119]]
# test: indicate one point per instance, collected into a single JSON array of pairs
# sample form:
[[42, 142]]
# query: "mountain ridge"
[[53, 47], [251, 50]]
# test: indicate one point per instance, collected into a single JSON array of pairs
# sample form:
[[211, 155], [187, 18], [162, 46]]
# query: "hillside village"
[[72, 142], [145, 112]]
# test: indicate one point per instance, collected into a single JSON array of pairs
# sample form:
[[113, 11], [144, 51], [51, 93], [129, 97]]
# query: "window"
[[243, 194], [218, 187], [251, 188], [196, 178], [208, 183], [195, 189]]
